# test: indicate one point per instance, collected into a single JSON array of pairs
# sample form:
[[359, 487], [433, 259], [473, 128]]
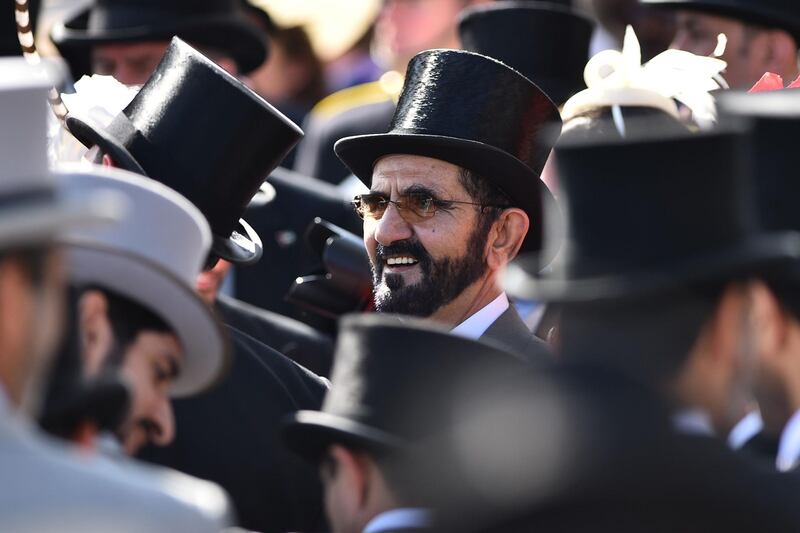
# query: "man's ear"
[[96, 335], [108, 162], [770, 322], [506, 237], [351, 479]]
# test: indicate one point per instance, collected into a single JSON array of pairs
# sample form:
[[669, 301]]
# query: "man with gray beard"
[[455, 193]]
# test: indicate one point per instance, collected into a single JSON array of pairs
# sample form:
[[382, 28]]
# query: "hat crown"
[[160, 227], [775, 120], [23, 106], [200, 131], [522, 35], [639, 206], [398, 377], [772, 13], [497, 106], [155, 9]]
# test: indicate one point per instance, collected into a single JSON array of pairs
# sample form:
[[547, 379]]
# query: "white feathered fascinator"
[[97, 100], [618, 79]]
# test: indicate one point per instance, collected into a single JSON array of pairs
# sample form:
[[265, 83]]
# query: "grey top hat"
[[153, 256], [34, 208]]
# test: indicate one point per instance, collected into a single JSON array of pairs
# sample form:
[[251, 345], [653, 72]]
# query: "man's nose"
[[392, 227], [164, 420]]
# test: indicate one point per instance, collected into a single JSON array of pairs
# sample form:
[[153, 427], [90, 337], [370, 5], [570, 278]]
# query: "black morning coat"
[[230, 435]]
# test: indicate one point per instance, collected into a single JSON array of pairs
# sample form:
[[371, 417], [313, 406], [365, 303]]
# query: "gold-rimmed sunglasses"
[[414, 207]]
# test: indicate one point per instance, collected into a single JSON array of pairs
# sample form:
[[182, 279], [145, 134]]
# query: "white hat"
[[32, 209], [152, 256]]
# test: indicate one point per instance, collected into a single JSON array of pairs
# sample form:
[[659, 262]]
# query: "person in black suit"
[[394, 383], [778, 301], [454, 197], [656, 348]]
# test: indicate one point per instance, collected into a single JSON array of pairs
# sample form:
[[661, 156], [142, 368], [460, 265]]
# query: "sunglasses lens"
[[369, 206], [422, 205]]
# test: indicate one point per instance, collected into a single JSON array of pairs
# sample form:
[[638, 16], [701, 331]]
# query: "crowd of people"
[[463, 266]]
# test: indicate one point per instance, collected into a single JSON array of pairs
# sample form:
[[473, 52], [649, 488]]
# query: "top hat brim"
[[231, 34], [40, 221], [310, 433], [509, 174], [243, 246], [754, 13], [758, 256], [205, 346]]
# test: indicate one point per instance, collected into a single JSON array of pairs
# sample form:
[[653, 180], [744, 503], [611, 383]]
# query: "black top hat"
[[475, 112], [771, 13], [218, 24], [392, 384], [200, 131], [547, 42], [649, 215], [774, 118]]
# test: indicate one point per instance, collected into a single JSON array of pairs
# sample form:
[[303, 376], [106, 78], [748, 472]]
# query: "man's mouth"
[[401, 260]]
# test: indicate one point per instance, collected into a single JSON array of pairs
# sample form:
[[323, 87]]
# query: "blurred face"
[[152, 363], [745, 53], [133, 63], [129, 63], [30, 324], [148, 364], [406, 27], [419, 266]]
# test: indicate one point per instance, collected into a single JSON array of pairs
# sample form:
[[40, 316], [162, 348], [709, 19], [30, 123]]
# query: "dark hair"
[[639, 121], [484, 192], [32, 259], [71, 399], [128, 319], [649, 338], [787, 292]]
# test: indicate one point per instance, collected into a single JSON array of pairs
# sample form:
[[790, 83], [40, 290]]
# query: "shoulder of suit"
[[387, 88]]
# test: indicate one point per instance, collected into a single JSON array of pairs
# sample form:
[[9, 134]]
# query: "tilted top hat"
[[771, 13], [774, 118], [33, 205], [152, 257], [203, 133], [392, 385], [548, 43], [217, 24], [475, 112], [652, 214]]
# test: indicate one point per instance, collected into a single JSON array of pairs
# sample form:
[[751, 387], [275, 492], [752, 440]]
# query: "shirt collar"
[[408, 518], [789, 446], [477, 324], [693, 422], [747, 428]]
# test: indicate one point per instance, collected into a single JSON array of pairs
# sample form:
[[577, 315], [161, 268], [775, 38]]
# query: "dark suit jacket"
[[231, 435], [763, 448], [613, 464], [296, 340], [511, 332]]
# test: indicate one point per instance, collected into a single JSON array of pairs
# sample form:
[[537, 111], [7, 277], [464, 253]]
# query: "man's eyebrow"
[[416, 188]]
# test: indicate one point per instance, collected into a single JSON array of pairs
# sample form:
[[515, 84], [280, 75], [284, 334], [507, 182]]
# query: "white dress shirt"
[[789, 446], [395, 519], [693, 422], [477, 324], [747, 428]]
